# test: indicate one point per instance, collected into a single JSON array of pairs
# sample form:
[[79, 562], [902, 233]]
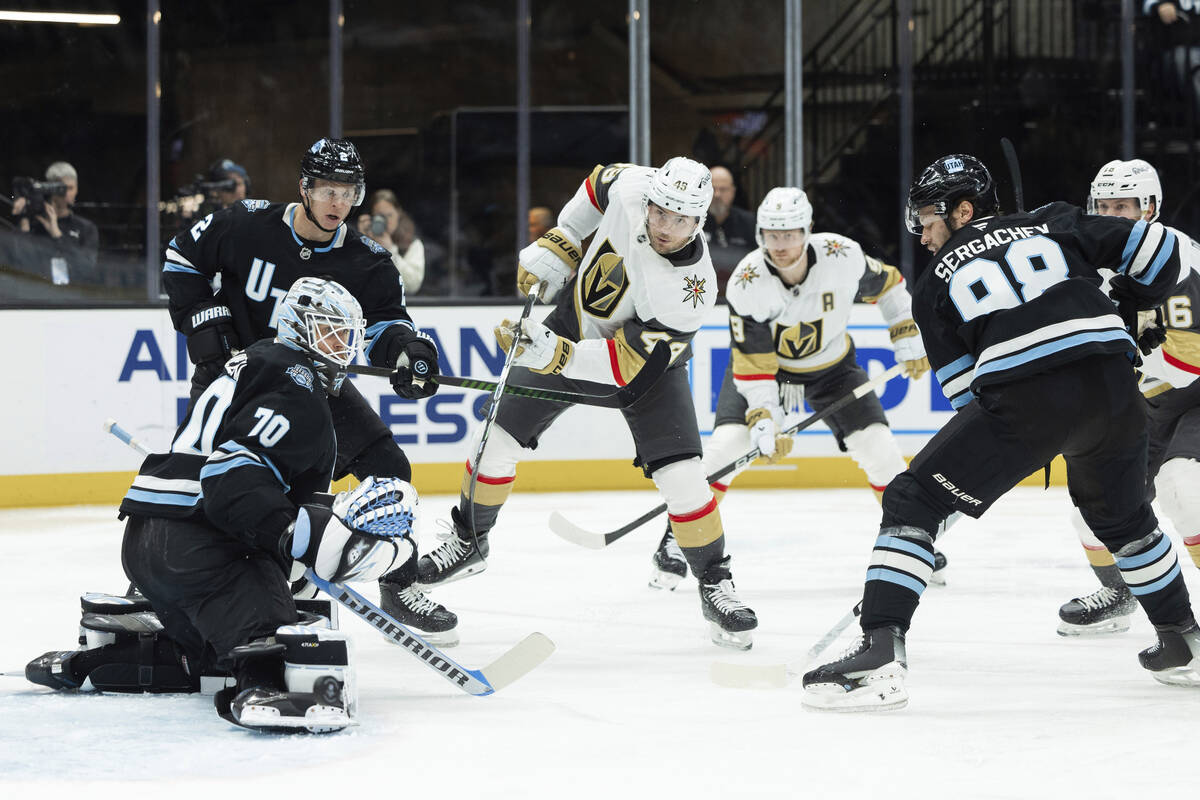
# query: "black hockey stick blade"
[[650, 372], [1014, 171], [777, 676], [594, 540], [511, 665]]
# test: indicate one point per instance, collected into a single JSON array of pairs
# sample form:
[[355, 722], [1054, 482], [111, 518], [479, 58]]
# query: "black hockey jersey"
[[1016, 295], [253, 447], [254, 246]]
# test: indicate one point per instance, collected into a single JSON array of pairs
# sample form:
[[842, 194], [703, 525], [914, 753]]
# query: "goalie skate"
[[276, 711], [1175, 658], [670, 567], [868, 677], [732, 623], [1106, 610]]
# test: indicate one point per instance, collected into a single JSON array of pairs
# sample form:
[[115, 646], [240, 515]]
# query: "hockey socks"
[[901, 567], [1151, 570]]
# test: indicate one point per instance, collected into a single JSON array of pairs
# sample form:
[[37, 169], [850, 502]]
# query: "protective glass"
[[353, 195], [783, 240], [670, 222]]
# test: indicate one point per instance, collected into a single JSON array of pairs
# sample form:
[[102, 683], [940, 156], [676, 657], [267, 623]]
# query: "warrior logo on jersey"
[[800, 340], [834, 248], [603, 282], [746, 275], [693, 289], [302, 375]]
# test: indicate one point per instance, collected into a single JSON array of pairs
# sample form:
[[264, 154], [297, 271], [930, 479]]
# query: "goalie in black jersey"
[[1037, 361], [216, 525], [259, 249]]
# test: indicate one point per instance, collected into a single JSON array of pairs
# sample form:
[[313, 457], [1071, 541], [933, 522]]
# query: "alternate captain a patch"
[[693, 289], [835, 248], [745, 276]]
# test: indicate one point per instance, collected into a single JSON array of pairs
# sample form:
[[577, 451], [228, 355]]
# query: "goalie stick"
[[777, 676], [511, 665], [598, 541], [110, 426]]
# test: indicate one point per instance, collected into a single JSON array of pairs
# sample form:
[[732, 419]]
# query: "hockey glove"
[[551, 259], [539, 348], [209, 331], [357, 538], [909, 349], [765, 436], [1150, 330], [416, 368]]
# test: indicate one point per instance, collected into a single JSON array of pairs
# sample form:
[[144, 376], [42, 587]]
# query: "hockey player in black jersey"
[[216, 525], [1038, 362], [259, 249]]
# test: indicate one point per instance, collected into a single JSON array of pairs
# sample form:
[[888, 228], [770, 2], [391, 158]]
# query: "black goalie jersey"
[[1015, 295], [255, 248], [257, 444]]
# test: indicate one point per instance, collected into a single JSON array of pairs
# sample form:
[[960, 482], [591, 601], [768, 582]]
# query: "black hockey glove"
[[209, 331], [1147, 330], [416, 368]]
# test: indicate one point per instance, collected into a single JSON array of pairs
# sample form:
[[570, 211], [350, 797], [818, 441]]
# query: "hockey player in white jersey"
[[1131, 189], [646, 278], [789, 304]]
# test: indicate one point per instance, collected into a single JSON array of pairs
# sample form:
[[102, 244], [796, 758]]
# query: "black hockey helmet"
[[947, 181], [335, 160]]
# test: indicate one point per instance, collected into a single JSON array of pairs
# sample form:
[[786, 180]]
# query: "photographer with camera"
[[61, 245], [391, 227]]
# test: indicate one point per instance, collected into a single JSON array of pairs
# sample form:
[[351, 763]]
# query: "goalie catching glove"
[[356, 539], [552, 259], [764, 434], [909, 349], [538, 348]]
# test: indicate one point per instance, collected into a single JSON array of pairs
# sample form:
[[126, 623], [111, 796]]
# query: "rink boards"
[[80, 367]]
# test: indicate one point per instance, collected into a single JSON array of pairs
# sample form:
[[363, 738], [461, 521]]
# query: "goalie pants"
[[211, 591], [1088, 410]]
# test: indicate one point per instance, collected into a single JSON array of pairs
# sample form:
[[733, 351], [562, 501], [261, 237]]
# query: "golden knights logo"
[[693, 289], [746, 276], [603, 282], [800, 340], [835, 248]]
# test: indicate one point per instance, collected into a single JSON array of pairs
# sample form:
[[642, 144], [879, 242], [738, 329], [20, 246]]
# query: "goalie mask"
[[1120, 179], [324, 320], [947, 181], [785, 208], [683, 186], [337, 161]]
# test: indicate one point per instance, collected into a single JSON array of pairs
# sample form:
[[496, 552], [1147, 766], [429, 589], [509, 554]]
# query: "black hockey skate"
[[1106, 610], [399, 596], [455, 558], [868, 677], [53, 669], [1175, 658], [731, 621], [670, 567]]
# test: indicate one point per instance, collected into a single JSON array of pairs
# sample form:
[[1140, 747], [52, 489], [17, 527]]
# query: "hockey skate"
[[455, 558], [868, 677], [399, 597], [670, 567], [1106, 610], [278, 711], [1175, 658], [731, 621]]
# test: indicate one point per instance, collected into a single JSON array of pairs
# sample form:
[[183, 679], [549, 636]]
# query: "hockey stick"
[[650, 372], [110, 426], [598, 541], [1014, 171], [777, 676], [511, 665]]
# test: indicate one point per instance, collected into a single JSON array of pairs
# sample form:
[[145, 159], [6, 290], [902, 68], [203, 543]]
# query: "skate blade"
[[735, 640], [1115, 625], [465, 572], [660, 579], [317, 719], [1188, 676], [440, 638], [881, 695], [749, 676], [937, 579]]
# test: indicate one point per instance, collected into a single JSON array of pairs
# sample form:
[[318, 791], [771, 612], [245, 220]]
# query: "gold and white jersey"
[[1177, 362], [626, 298]]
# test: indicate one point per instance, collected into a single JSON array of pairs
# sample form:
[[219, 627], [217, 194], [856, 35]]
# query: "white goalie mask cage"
[[324, 320], [1135, 178], [683, 186]]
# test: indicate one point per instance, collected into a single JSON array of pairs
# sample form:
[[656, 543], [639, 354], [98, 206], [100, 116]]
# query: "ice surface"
[[1001, 707]]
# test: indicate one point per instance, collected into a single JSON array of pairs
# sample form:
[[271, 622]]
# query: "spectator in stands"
[[541, 219], [61, 246], [1177, 22], [223, 171], [390, 226], [728, 229]]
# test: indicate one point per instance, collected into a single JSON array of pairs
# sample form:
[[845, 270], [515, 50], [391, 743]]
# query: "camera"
[[36, 193], [378, 224]]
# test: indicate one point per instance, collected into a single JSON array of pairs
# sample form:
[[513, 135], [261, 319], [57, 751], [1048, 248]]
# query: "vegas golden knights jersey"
[[1177, 363]]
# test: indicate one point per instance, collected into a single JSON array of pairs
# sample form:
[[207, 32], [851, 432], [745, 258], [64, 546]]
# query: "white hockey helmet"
[[785, 208], [683, 186], [1134, 178], [324, 320]]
